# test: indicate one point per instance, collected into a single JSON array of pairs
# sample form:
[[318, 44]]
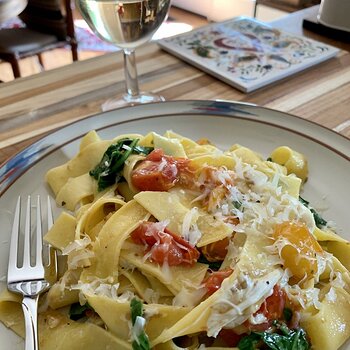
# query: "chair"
[[47, 27]]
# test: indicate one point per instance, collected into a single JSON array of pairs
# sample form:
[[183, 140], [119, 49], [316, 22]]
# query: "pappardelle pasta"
[[172, 243]]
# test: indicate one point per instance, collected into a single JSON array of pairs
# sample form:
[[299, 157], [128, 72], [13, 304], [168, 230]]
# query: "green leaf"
[[237, 204], [77, 311], [249, 342], [319, 221], [136, 309], [300, 341], [142, 342], [282, 327], [108, 171], [276, 341], [304, 202], [143, 150], [287, 314], [281, 338]]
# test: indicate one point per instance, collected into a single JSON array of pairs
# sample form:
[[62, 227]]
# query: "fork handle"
[[30, 310]]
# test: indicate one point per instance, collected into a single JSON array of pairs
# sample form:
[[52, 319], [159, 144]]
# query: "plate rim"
[[19, 163]]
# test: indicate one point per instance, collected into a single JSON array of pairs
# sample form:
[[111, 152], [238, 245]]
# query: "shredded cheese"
[[238, 298]]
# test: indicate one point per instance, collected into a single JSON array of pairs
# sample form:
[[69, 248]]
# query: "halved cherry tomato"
[[159, 172], [300, 249], [271, 308], [164, 246], [215, 251], [215, 279], [230, 338]]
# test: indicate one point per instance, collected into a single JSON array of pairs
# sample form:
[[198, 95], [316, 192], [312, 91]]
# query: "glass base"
[[128, 100]]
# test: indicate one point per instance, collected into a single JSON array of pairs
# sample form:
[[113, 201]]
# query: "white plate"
[[224, 123]]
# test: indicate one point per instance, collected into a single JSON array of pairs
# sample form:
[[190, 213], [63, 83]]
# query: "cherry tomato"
[[163, 245], [215, 251], [159, 172], [271, 308], [299, 252], [215, 279], [230, 338]]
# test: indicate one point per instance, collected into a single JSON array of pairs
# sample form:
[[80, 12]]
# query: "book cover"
[[246, 53]]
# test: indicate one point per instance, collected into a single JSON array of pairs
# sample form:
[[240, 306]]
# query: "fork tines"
[[32, 262]]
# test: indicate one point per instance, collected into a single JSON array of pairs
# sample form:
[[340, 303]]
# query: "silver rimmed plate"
[[224, 123]]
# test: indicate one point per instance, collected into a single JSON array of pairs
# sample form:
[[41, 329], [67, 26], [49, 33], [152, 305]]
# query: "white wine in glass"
[[126, 24]]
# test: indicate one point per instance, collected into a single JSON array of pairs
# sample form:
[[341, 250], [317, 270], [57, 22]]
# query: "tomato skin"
[[275, 303], [159, 172], [261, 327], [156, 155], [164, 246], [299, 254], [272, 308], [216, 251], [215, 279], [230, 338]]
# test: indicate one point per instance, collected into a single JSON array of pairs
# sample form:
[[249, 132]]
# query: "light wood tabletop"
[[34, 106]]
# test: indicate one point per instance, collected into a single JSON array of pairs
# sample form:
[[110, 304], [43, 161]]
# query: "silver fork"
[[29, 278]]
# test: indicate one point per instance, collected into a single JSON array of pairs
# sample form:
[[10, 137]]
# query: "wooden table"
[[31, 107]]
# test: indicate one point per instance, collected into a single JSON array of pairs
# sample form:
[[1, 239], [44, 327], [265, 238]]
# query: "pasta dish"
[[170, 243]]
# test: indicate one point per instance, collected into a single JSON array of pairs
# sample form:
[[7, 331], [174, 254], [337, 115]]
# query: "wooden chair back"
[[49, 17]]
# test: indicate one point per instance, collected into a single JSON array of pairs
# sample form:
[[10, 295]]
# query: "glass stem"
[[132, 85]]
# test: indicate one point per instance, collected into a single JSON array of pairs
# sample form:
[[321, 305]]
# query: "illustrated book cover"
[[246, 53]]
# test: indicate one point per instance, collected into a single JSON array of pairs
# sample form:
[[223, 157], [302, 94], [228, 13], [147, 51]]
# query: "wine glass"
[[126, 24]]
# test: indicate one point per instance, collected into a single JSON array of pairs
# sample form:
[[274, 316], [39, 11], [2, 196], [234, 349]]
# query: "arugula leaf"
[[300, 341], [287, 314], [142, 341], [304, 201], [77, 311], [319, 221], [142, 344], [288, 340], [108, 171], [296, 340], [276, 341], [237, 204], [136, 309], [249, 342], [213, 265], [143, 150], [282, 327]]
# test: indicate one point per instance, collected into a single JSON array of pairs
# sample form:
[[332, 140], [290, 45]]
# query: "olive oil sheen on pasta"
[[128, 23]]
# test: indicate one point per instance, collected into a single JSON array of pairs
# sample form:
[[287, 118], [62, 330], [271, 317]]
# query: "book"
[[246, 53]]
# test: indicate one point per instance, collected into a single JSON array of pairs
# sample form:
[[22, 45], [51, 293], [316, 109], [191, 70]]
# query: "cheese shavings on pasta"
[[188, 246]]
